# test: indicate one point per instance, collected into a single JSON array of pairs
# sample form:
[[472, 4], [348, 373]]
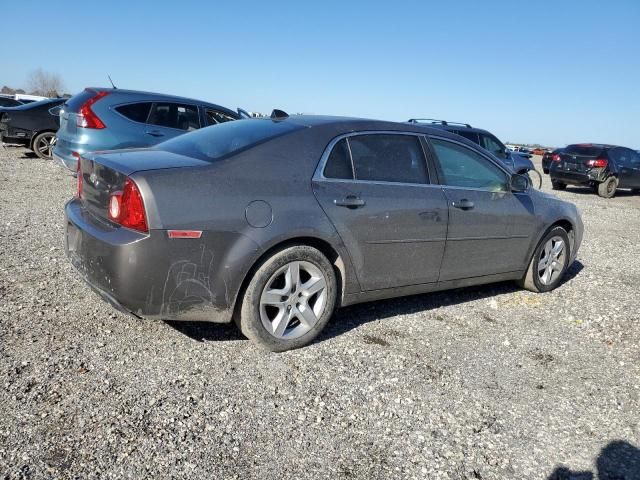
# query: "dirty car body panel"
[[249, 194]]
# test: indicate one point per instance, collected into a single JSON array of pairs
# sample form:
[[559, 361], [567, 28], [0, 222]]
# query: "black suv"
[[602, 167], [519, 163]]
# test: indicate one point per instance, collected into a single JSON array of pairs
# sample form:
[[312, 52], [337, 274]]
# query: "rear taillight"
[[86, 118], [127, 208], [79, 178], [555, 157], [598, 163]]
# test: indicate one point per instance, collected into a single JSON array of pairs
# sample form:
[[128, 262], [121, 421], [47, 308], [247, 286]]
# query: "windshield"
[[217, 141], [587, 150], [30, 105]]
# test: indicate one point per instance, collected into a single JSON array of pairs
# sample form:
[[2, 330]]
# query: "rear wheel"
[[289, 299], [635, 191], [43, 145], [607, 189], [558, 185], [549, 262]]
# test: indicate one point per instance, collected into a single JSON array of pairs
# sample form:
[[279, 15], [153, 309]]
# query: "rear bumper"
[[590, 177], [147, 275], [62, 153]]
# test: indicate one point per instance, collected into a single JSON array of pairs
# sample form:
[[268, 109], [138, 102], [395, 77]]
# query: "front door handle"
[[463, 204], [155, 133], [350, 201]]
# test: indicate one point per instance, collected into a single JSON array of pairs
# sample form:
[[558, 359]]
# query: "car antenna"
[[109, 77], [279, 114]]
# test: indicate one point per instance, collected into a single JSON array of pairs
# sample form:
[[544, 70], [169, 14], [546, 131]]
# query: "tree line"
[[40, 82]]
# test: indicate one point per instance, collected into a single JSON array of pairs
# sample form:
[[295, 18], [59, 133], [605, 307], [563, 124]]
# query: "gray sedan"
[[275, 222]]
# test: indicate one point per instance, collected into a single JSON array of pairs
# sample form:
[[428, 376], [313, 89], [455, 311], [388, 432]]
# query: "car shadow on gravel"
[[619, 460], [351, 317], [589, 191], [207, 332]]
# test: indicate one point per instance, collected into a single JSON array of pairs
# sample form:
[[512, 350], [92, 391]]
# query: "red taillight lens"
[[555, 157], [127, 207], [79, 178], [86, 118], [598, 163]]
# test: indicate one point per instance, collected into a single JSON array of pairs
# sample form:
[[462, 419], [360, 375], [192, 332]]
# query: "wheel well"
[[323, 246], [568, 226]]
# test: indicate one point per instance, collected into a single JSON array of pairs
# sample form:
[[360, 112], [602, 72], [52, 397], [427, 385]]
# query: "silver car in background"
[[111, 119]]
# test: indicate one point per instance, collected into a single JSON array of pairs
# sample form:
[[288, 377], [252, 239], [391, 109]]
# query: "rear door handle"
[[463, 204], [155, 133], [350, 201]]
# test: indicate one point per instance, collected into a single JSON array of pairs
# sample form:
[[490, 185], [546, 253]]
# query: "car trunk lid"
[[576, 157], [105, 173]]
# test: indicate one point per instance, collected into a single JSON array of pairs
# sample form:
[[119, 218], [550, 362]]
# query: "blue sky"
[[552, 72]]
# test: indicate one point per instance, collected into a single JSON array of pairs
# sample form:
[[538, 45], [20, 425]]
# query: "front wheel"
[[558, 185], [289, 299], [549, 262], [43, 145], [535, 178]]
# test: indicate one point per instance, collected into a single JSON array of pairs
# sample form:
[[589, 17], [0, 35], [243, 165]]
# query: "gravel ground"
[[479, 383]]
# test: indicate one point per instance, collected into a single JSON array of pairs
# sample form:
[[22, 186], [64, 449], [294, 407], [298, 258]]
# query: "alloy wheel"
[[551, 261], [45, 145], [293, 300]]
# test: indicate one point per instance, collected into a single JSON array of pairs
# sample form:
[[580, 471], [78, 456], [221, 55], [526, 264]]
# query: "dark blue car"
[[519, 163]]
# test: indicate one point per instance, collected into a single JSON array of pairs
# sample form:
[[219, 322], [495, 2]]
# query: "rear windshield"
[[221, 140], [586, 150], [74, 104]]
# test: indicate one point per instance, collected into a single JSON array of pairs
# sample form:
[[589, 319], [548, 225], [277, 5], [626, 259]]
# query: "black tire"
[[545, 171], [535, 179], [607, 189], [635, 191], [43, 144], [556, 185], [248, 318], [532, 281]]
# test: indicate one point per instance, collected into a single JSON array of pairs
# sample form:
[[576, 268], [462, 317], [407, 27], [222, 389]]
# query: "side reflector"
[[185, 233]]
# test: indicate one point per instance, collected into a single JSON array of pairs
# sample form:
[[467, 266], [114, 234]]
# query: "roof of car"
[[154, 94], [356, 124]]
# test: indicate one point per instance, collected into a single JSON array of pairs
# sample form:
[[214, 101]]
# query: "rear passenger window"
[[339, 162], [469, 135], [388, 158], [214, 117], [462, 167], [138, 112], [173, 115]]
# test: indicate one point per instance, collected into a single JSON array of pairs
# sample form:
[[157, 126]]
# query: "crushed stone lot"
[[480, 383]]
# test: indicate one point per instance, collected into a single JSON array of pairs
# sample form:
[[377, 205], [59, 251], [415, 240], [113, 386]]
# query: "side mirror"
[[519, 183]]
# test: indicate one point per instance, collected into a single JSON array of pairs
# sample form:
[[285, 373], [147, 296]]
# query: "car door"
[[626, 163], [634, 166], [376, 190], [489, 226], [168, 119]]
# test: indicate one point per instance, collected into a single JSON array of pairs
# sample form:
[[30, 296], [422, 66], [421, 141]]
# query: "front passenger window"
[[462, 167]]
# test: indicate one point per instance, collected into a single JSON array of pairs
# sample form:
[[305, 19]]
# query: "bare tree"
[[47, 84]]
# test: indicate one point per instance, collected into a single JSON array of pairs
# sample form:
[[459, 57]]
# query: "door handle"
[[463, 204], [155, 133], [350, 201]]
